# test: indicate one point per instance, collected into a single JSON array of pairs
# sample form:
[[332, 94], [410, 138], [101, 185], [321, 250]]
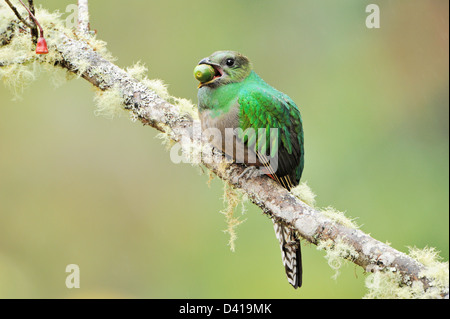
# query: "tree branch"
[[34, 24], [83, 16], [13, 8], [367, 252]]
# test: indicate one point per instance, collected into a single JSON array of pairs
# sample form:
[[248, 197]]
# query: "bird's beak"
[[204, 61], [217, 68]]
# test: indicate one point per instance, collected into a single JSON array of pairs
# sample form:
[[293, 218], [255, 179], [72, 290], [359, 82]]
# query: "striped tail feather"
[[289, 242], [290, 253]]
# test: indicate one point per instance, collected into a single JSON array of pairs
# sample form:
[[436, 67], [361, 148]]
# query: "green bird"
[[257, 125]]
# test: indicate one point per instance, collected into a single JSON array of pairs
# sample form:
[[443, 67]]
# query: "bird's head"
[[225, 67]]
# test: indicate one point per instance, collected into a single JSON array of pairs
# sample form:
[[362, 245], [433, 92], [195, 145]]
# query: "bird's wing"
[[263, 107]]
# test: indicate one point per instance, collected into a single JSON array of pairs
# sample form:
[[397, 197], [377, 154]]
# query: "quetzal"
[[257, 125]]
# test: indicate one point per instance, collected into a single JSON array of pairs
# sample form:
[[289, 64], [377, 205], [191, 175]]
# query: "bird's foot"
[[251, 172]]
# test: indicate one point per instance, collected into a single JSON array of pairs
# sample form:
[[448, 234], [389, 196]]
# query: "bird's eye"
[[229, 62]]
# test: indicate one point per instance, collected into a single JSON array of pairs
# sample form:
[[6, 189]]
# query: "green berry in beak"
[[204, 73]]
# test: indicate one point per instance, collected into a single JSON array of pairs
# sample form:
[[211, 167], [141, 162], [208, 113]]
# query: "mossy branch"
[[83, 16], [79, 56], [13, 8]]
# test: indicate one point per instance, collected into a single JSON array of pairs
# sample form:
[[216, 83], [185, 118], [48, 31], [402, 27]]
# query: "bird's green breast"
[[220, 99]]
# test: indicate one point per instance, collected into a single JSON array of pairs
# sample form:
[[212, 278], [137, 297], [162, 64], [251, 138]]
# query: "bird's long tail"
[[290, 253], [289, 242]]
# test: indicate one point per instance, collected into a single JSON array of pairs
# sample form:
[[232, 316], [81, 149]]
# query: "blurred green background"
[[103, 194]]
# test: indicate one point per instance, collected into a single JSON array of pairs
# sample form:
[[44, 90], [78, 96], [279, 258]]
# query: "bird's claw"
[[250, 171]]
